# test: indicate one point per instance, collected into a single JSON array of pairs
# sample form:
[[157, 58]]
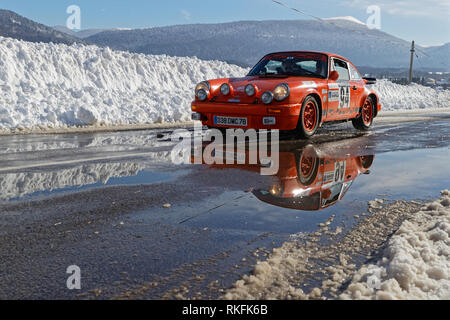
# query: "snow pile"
[[55, 85], [397, 97], [416, 262]]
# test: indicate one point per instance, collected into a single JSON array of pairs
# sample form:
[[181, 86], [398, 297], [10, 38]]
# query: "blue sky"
[[426, 21]]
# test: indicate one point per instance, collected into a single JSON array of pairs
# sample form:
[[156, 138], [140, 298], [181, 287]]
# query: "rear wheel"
[[365, 120], [308, 121]]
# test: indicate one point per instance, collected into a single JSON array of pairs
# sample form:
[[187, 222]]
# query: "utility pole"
[[411, 63]]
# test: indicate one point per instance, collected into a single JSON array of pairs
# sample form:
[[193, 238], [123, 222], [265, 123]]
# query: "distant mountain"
[[82, 34], [440, 53], [15, 26], [245, 42]]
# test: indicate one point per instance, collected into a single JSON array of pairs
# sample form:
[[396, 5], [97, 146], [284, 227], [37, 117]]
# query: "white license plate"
[[230, 121]]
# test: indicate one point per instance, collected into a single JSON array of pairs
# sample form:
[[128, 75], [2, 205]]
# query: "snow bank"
[[55, 85], [397, 97], [416, 262]]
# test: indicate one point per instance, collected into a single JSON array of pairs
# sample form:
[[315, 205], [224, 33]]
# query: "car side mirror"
[[334, 75]]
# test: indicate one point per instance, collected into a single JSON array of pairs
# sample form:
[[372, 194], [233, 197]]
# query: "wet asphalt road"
[[99, 201]]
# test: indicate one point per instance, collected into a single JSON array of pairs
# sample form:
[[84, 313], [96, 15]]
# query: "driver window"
[[273, 66], [341, 67]]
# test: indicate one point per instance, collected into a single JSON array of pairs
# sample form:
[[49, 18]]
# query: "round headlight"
[[202, 91], [281, 92], [250, 90], [267, 97], [202, 95], [225, 89]]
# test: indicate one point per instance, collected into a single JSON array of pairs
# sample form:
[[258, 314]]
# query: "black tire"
[[302, 130], [366, 161], [362, 123]]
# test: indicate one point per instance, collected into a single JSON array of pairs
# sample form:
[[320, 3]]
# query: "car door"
[[357, 86], [339, 93]]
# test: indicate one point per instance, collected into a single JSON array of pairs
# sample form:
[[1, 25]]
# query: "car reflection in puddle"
[[310, 182], [308, 178]]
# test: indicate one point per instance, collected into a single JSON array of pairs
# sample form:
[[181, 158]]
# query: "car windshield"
[[297, 65]]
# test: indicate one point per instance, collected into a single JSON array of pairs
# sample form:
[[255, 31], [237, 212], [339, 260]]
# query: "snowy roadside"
[[416, 261], [55, 88], [414, 264]]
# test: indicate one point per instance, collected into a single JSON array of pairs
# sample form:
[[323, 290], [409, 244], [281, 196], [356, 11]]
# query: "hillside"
[[246, 42], [15, 26]]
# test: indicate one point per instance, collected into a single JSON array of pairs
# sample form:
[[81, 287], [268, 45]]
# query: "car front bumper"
[[281, 117]]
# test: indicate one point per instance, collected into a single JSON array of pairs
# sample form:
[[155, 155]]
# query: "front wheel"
[[365, 120], [308, 121]]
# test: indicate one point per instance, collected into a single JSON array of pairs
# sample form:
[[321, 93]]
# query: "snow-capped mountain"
[[245, 42], [15, 26], [82, 34], [441, 54], [79, 34]]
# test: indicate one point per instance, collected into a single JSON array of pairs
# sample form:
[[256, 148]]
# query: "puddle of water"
[[309, 193], [31, 185]]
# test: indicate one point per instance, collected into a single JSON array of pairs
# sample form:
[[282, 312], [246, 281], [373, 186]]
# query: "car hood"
[[262, 84]]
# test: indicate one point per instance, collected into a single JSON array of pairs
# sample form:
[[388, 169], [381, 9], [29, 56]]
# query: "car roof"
[[302, 51]]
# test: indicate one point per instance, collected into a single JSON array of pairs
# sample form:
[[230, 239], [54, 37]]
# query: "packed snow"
[[57, 86], [416, 261], [397, 97], [414, 264]]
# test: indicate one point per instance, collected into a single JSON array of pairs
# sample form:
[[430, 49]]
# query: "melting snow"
[[416, 261]]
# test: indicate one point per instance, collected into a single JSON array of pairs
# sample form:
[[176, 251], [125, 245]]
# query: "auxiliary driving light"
[[225, 89], [267, 97], [250, 90]]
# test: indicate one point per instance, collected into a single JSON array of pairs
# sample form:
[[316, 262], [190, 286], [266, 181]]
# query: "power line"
[[329, 22]]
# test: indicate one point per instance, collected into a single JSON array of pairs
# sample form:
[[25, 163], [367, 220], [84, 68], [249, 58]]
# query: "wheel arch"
[[319, 102], [375, 99]]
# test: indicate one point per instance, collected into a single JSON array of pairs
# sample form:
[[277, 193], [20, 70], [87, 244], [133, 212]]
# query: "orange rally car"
[[297, 90]]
